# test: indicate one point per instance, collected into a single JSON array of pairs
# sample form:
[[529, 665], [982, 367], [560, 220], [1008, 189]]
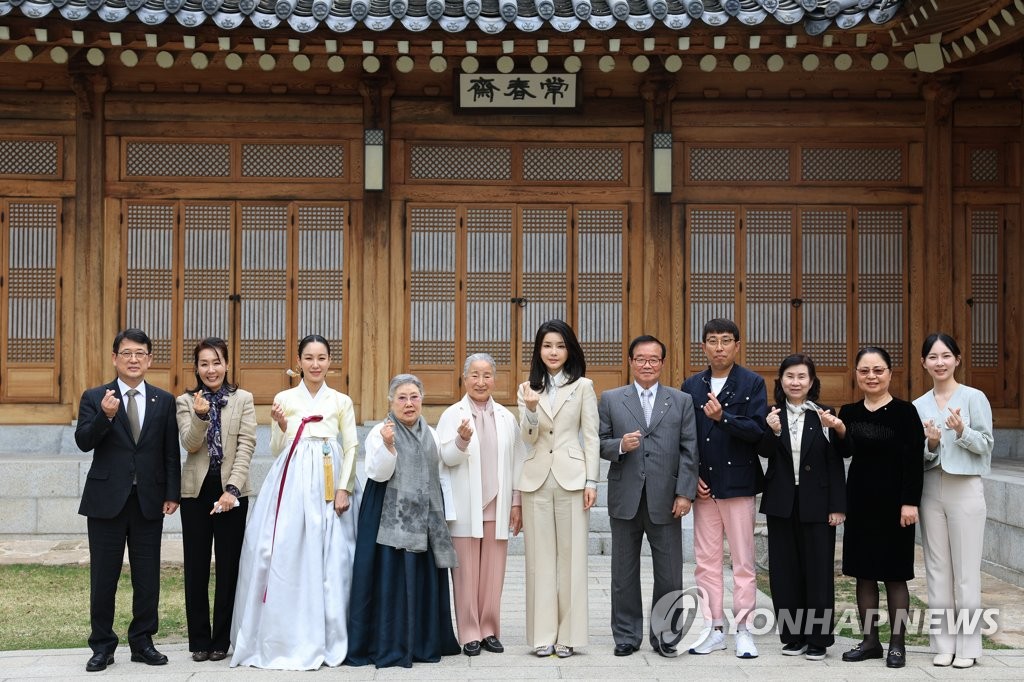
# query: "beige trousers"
[[556, 565]]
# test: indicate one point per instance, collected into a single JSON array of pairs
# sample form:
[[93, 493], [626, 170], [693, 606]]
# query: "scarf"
[[412, 517], [214, 445]]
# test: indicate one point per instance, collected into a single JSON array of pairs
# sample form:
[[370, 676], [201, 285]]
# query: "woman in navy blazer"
[[804, 500]]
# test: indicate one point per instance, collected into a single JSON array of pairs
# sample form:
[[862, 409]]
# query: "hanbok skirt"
[[295, 575], [400, 611]]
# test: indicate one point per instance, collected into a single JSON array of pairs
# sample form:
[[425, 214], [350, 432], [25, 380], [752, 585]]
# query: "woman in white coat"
[[481, 445]]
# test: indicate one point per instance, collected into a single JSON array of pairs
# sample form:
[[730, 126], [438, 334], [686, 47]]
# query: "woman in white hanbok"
[[296, 567]]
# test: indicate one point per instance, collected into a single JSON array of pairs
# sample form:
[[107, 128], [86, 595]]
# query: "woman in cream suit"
[[558, 417], [217, 427], [483, 451]]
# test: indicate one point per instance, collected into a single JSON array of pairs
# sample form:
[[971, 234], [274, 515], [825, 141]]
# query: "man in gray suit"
[[649, 435]]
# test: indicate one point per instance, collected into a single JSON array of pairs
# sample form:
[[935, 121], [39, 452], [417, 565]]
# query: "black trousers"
[[224, 532], [801, 559], [666, 541], [107, 540]]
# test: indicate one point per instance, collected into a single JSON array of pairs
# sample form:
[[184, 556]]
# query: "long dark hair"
[[575, 365], [218, 346], [792, 361]]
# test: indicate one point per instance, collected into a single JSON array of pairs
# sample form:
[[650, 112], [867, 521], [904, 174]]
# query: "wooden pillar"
[[653, 286], [932, 245], [92, 288], [378, 352]]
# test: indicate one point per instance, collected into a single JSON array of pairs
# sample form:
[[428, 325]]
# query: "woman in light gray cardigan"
[[958, 452]]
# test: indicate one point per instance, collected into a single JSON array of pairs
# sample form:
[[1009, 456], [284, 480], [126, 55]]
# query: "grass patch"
[[47, 607], [846, 597]]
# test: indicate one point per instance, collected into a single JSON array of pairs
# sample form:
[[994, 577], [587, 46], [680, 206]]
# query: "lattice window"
[[824, 235], [149, 279], [459, 162], [985, 227], [264, 284], [207, 274], [546, 258], [39, 157], [432, 302], [880, 280], [574, 164], [712, 290], [739, 164], [851, 164], [599, 287], [986, 166], [177, 159], [32, 281], [293, 161], [489, 236], [769, 285], [321, 275]]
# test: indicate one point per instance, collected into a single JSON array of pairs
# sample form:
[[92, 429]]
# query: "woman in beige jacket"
[[217, 426], [559, 422]]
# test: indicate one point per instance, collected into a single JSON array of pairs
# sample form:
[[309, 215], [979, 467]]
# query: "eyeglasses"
[[133, 354], [723, 342], [872, 371], [647, 362], [408, 399]]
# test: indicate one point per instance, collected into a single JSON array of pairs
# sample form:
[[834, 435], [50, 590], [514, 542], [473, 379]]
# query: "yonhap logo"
[[673, 615]]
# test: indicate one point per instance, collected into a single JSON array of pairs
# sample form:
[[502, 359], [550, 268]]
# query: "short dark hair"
[[308, 339], [218, 346], [575, 364], [720, 325], [645, 338], [867, 350], [132, 334], [947, 341], [792, 361]]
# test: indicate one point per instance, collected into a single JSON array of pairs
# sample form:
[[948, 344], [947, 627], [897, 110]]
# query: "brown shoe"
[[218, 655], [200, 656]]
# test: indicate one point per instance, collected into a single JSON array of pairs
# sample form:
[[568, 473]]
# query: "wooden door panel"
[[600, 292]]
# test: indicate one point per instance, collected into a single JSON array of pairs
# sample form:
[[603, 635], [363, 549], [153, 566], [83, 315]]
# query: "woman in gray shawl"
[[399, 611]]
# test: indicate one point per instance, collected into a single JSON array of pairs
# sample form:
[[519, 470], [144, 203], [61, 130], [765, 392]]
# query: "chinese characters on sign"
[[527, 91]]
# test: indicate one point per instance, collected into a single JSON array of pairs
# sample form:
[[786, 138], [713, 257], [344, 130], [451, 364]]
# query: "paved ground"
[[593, 662]]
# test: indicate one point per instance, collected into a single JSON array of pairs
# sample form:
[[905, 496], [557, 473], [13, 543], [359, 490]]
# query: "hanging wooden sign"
[[517, 92]]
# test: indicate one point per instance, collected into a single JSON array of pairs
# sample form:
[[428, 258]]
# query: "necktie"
[[646, 400], [133, 414]]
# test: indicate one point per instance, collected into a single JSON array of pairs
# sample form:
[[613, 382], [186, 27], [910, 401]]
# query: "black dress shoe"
[[148, 655], [625, 649], [218, 655], [666, 650], [492, 644], [897, 657], [471, 648], [99, 662], [200, 656], [863, 653]]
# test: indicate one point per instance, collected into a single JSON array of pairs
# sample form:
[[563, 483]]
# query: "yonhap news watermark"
[[674, 614]]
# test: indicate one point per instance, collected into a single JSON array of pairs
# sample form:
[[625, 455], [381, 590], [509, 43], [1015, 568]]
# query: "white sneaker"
[[709, 640], [744, 645]]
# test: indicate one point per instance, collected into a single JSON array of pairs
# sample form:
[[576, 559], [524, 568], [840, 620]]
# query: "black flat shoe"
[[794, 649], [99, 662], [861, 653], [492, 644], [148, 655], [625, 649], [471, 648], [897, 657], [200, 656]]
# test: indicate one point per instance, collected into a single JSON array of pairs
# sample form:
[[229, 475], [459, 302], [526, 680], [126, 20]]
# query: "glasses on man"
[[872, 371], [647, 362], [133, 354], [719, 341]]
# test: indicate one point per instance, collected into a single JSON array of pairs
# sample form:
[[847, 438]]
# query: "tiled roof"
[[490, 16]]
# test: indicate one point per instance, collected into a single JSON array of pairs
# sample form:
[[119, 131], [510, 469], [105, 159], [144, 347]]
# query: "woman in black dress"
[[885, 439]]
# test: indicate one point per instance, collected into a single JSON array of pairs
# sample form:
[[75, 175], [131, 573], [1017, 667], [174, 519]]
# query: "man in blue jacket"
[[730, 404]]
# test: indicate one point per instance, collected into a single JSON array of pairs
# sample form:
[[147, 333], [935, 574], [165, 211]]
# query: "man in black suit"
[[652, 481], [134, 480]]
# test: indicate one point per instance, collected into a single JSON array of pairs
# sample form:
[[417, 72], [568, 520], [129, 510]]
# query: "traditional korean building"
[[420, 179]]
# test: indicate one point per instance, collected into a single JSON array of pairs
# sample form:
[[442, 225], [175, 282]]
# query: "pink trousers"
[[714, 521], [478, 581]]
